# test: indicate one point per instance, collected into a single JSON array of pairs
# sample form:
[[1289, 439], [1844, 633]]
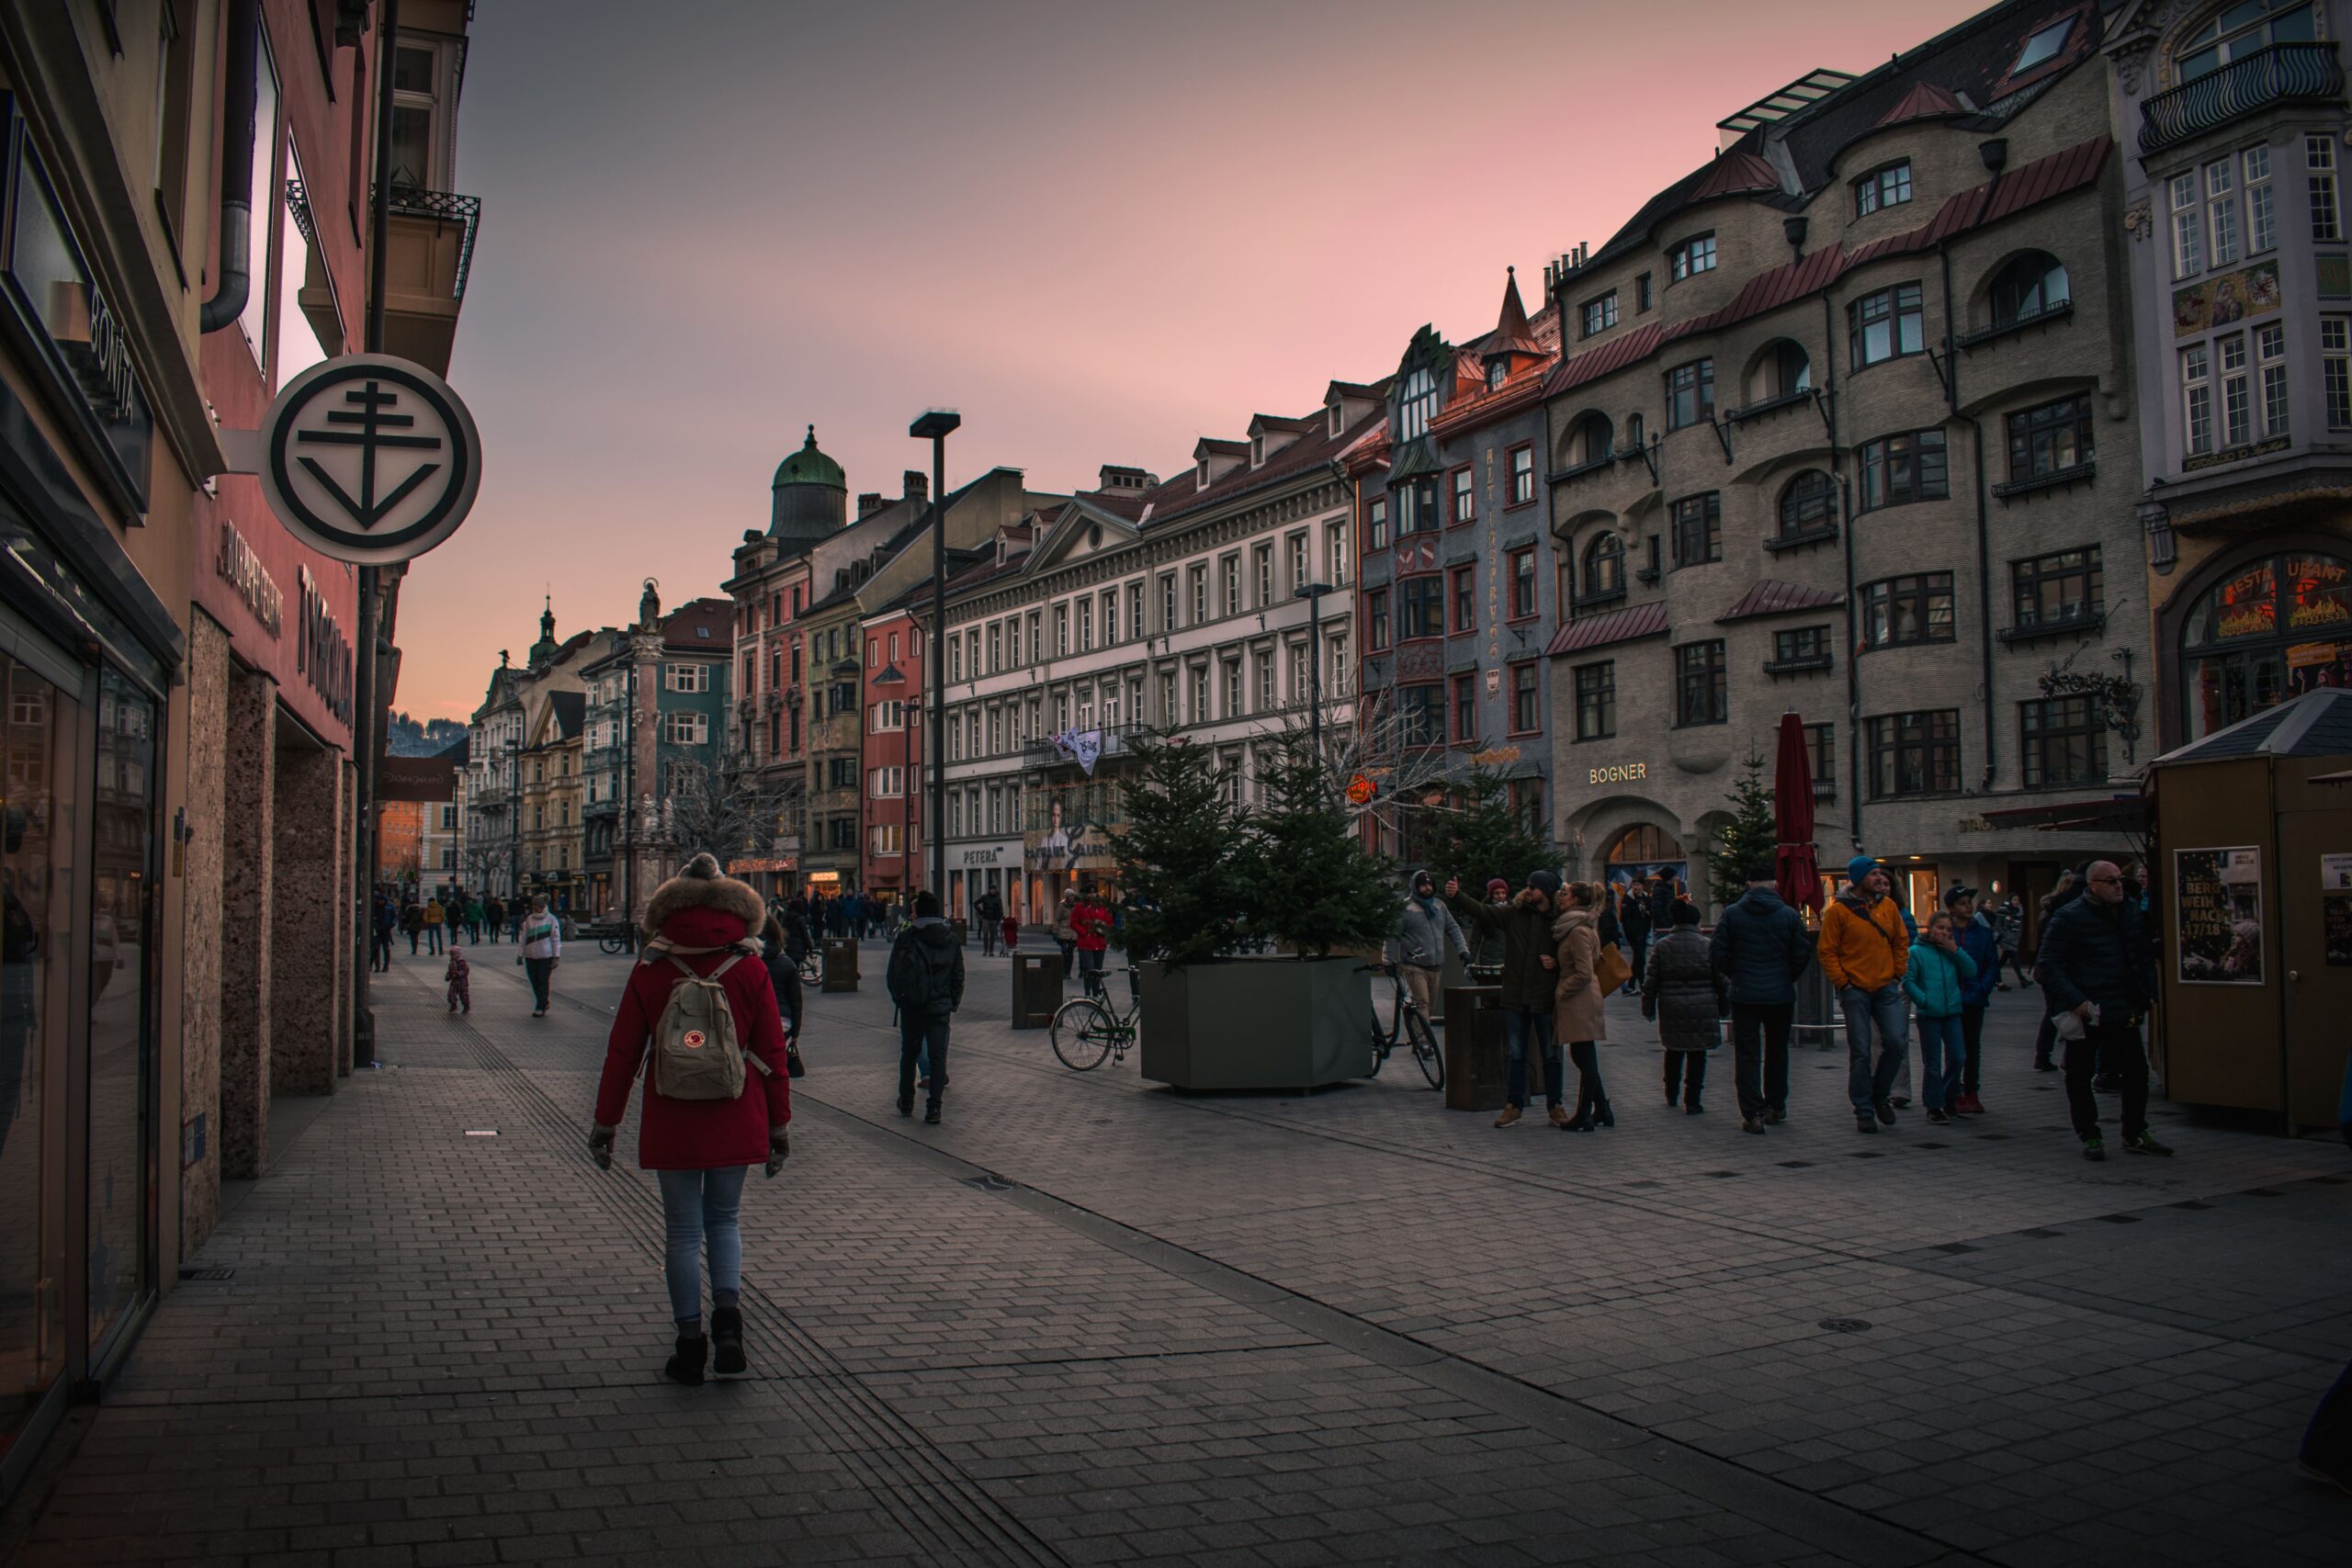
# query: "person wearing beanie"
[[1759, 948], [701, 928], [1684, 995], [1426, 932], [926, 980], [1865, 948], [1486, 946], [1524, 925]]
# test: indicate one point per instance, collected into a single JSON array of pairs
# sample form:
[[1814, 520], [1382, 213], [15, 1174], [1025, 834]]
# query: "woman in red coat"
[[701, 1149]]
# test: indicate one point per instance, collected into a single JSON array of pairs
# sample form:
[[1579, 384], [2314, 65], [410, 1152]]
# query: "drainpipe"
[[1995, 154], [237, 133], [1846, 544]]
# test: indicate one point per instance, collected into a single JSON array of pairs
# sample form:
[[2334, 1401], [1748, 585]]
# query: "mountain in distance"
[[406, 736]]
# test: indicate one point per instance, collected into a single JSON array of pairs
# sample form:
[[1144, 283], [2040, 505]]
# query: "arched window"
[[1416, 404], [1782, 370], [2235, 31], [1808, 502], [1604, 567], [2274, 629], [1634, 439], [1591, 440], [2031, 285], [1644, 844]]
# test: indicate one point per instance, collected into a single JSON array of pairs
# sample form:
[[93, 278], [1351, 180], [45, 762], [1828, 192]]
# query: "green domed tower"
[[811, 497]]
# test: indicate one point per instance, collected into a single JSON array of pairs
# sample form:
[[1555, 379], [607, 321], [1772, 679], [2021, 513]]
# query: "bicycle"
[[1409, 1024], [812, 970], [1085, 1030]]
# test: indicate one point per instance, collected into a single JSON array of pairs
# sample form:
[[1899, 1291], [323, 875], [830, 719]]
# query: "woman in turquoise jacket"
[[1935, 978]]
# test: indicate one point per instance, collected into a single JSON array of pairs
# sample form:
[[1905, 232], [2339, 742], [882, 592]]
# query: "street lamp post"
[[1313, 594], [935, 427]]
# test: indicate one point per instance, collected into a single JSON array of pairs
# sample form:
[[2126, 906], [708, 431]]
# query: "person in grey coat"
[[1426, 932], [1760, 947], [1682, 992]]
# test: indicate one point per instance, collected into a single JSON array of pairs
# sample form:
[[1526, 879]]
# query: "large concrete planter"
[[1256, 1023]]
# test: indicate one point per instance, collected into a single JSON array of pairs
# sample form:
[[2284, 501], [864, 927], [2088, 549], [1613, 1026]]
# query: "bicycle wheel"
[[1425, 1049], [612, 944], [1082, 1032], [810, 970], [1380, 1045]]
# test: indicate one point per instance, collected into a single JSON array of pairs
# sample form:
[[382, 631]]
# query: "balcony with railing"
[[2283, 74]]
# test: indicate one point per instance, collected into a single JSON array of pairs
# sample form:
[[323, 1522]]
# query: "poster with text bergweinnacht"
[[2218, 902]]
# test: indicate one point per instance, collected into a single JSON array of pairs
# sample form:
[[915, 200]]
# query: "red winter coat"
[[699, 1135], [1091, 923]]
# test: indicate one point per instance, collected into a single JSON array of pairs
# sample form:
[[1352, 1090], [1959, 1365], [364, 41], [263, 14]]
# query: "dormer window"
[[1201, 474], [1888, 187], [1495, 371], [1257, 451], [1338, 419], [2043, 45], [1416, 404]]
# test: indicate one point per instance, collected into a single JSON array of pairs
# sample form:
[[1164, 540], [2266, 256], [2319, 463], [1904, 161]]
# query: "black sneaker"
[[727, 1341], [1863, 1124], [2094, 1147], [1937, 1118], [2044, 1064], [906, 1107], [930, 1116], [1902, 1102], [1885, 1110], [1750, 1124], [1775, 1116]]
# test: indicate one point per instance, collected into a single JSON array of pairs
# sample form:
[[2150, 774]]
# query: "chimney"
[[917, 486], [869, 505]]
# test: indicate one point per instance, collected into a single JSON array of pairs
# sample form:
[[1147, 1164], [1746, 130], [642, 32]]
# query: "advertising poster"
[[2218, 902], [2335, 929]]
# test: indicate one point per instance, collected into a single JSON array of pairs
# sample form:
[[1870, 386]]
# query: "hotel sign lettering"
[[242, 570], [320, 650], [1624, 773]]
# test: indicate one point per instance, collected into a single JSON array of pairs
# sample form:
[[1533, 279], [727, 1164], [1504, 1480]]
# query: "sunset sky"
[[1099, 231]]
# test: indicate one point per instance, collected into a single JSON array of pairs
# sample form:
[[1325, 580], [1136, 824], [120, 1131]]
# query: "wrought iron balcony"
[[2283, 74]]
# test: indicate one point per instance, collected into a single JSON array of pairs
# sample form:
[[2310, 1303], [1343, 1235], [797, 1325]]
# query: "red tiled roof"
[[1617, 625], [1771, 597], [715, 616], [1924, 101], [1183, 494], [2037, 182], [1734, 174]]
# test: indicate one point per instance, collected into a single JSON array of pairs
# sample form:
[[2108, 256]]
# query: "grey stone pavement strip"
[[1088, 1320]]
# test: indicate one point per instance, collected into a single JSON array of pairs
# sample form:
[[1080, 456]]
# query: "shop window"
[[2276, 629]]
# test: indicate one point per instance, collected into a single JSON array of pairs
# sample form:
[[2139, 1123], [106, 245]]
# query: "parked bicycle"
[[813, 969], [1089, 1028], [1408, 1023]]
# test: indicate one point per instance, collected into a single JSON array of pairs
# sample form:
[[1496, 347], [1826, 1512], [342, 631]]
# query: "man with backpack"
[[925, 979]]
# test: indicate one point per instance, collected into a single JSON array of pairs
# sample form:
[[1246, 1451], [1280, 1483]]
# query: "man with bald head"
[[2095, 976]]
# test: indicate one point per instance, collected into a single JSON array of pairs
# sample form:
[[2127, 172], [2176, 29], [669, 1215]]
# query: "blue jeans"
[[1518, 1024], [699, 1207], [1873, 1014], [1944, 1060]]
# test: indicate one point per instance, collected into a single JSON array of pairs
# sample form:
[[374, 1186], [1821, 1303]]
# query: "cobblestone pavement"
[[1088, 1320]]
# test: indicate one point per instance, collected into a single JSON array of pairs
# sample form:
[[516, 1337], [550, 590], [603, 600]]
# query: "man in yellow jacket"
[[1864, 950]]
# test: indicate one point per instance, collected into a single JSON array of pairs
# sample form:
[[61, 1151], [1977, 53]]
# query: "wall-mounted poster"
[[2335, 874], [2335, 929], [2218, 901]]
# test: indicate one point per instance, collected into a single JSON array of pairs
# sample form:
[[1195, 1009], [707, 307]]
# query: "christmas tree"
[[1314, 886], [1486, 836], [1748, 839], [1184, 884]]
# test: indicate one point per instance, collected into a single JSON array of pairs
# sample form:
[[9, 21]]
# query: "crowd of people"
[[1558, 948]]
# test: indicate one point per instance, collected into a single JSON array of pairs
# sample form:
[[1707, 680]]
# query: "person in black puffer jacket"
[[1528, 981], [1685, 996], [2094, 972], [1760, 946], [926, 979], [784, 973]]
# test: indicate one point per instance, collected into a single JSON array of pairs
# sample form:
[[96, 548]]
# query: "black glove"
[[600, 1146], [779, 1149]]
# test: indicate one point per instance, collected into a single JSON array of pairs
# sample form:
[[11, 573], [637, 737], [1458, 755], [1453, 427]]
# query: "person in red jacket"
[[1089, 924], [701, 1149]]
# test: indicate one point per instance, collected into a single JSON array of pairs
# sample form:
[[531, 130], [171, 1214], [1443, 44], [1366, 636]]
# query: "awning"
[[1617, 625], [2122, 814]]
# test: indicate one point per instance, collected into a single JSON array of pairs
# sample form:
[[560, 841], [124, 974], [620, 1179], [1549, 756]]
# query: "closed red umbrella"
[[1796, 874]]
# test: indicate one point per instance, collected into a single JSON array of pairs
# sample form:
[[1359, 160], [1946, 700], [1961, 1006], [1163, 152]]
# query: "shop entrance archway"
[[1643, 850]]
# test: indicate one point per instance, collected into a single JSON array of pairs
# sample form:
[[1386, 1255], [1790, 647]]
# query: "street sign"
[[370, 458]]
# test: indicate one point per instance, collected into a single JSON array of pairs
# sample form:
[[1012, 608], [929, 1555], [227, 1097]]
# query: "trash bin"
[[839, 973], [1036, 987], [1477, 1053]]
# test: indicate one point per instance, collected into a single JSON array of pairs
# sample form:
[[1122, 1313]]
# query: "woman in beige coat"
[[1577, 1017]]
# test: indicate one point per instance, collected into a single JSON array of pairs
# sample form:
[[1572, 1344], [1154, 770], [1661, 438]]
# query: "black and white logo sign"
[[372, 460]]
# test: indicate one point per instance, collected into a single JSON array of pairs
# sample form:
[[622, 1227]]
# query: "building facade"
[[179, 736], [659, 699], [2234, 120], [1855, 440]]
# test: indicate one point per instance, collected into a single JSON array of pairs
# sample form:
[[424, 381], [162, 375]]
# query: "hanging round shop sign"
[[370, 458], [1360, 790]]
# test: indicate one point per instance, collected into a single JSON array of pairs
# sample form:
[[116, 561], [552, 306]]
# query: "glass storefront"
[[36, 918], [121, 1196], [2276, 629]]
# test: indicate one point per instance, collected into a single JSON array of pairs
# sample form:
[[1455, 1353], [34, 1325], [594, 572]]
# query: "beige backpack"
[[696, 1052]]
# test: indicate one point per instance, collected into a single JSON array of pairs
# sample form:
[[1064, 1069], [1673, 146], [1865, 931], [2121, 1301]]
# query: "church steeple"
[[543, 649]]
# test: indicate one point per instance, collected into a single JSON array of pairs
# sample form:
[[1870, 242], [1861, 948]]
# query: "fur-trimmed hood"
[[700, 886]]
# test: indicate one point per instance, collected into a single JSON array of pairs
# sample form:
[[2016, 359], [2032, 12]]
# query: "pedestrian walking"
[[1064, 932], [784, 980], [460, 977], [435, 918], [1981, 940], [2099, 982], [1426, 932], [1935, 974], [473, 921], [1485, 945], [1864, 951], [413, 924], [1089, 924], [493, 917], [515, 911], [1576, 996], [1685, 996], [1758, 949], [989, 910], [541, 935], [2045, 1039], [386, 920], [1634, 919], [1527, 1001], [925, 979], [1011, 932], [717, 1098]]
